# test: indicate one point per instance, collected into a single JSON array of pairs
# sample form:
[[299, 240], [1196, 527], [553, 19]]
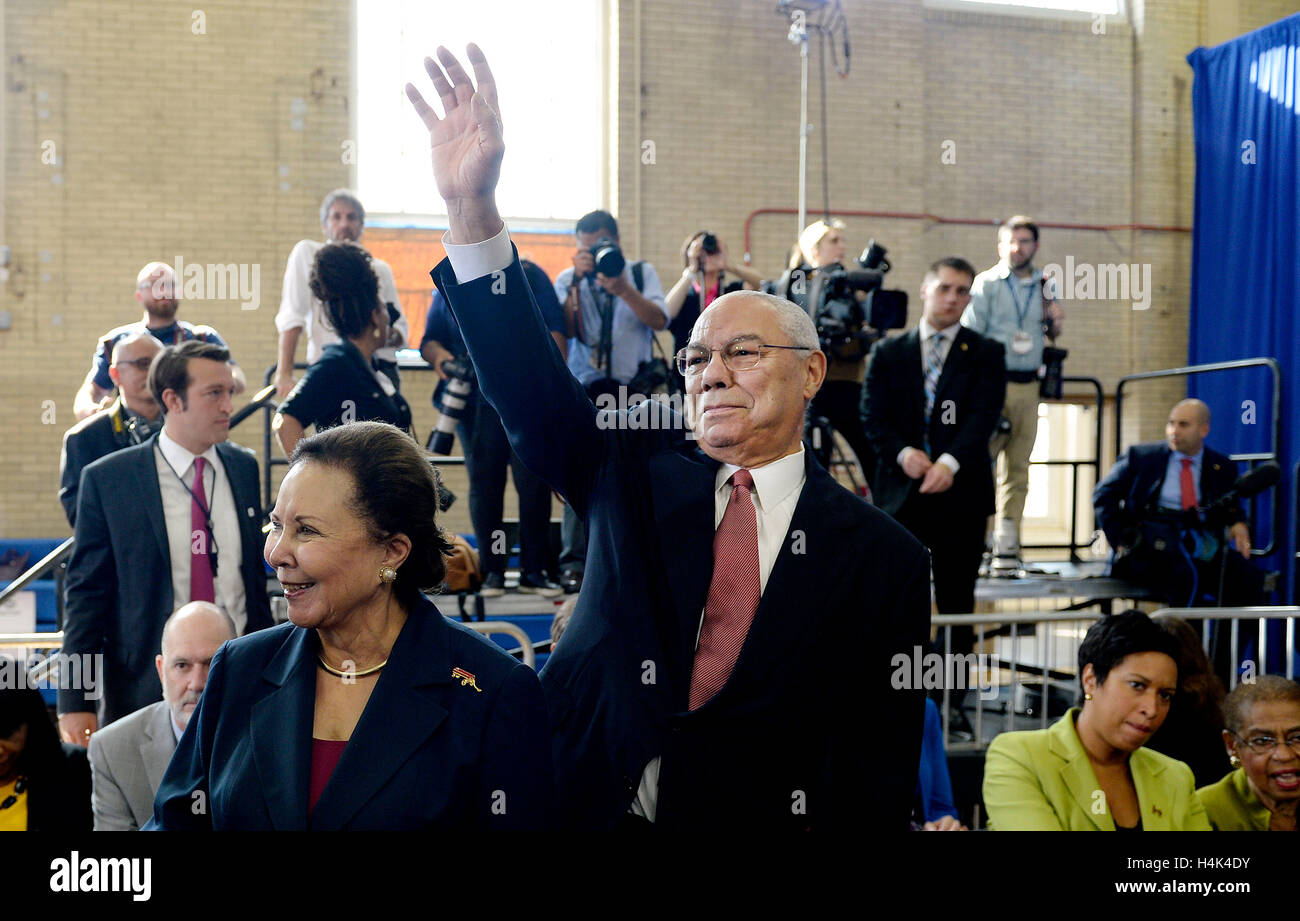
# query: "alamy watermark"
[[930, 671], [638, 411], [1086, 281], [59, 671], [215, 281]]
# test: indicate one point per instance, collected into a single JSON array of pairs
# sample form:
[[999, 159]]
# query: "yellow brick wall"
[[217, 147]]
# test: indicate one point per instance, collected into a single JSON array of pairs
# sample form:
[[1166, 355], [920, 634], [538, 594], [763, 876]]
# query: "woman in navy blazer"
[[368, 710]]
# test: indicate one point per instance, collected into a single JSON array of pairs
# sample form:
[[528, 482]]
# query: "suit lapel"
[[954, 362], [1151, 497], [1153, 796], [381, 744], [682, 490], [158, 745], [914, 373], [149, 494], [1076, 772], [280, 727], [244, 494]]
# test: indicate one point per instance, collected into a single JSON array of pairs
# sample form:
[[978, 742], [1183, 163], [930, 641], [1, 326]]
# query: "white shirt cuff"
[[474, 260], [903, 453], [950, 462]]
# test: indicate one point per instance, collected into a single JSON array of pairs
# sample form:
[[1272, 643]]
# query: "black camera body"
[[842, 319]]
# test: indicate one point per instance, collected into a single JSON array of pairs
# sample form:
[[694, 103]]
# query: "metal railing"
[[1275, 427], [1074, 546], [270, 459], [1053, 658], [54, 558]]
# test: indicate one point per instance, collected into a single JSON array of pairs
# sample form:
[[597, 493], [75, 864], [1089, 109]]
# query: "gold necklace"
[[339, 673]]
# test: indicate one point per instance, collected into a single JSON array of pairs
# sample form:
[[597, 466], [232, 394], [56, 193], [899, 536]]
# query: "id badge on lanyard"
[[1021, 343]]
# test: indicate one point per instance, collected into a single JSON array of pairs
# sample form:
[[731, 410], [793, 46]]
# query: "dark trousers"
[[841, 403], [487, 454], [956, 543], [573, 536]]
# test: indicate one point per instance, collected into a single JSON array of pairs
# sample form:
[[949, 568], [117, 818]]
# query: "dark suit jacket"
[[429, 752], [60, 800], [794, 738], [1131, 490], [119, 591], [893, 410], [86, 442]]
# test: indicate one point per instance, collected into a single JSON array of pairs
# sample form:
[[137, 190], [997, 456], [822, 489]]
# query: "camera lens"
[[709, 243], [609, 258]]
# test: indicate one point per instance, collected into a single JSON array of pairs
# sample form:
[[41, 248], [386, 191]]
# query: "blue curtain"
[[1246, 250]]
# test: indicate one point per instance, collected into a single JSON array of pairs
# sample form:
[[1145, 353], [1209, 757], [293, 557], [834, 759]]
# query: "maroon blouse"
[[325, 755]]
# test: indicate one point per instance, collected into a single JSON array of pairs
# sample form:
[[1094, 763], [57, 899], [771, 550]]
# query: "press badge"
[[1021, 343]]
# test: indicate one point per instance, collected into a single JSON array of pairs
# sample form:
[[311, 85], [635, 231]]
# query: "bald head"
[[155, 289], [191, 637], [1188, 425]]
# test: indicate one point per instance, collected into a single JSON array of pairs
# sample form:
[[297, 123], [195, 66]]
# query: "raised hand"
[[465, 144]]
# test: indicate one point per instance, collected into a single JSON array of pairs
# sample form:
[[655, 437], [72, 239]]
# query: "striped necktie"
[[933, 369]]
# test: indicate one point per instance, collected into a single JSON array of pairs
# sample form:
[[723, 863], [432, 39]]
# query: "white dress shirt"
[[300, 308], [777, 486], [172, 461], [946, 338]]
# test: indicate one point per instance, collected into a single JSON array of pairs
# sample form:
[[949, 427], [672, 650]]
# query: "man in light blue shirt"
[[1007, 306], [611, 326]]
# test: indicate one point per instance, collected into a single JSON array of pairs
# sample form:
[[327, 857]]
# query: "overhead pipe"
[[971, 221]]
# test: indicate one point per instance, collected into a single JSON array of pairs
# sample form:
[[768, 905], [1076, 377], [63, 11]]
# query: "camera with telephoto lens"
[[609, 258], [709, 243], [842, 319], [1052, 382], [455, 393]]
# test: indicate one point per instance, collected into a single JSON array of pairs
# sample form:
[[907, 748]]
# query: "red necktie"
[[733, 593], [1188, 484], [201, 587]]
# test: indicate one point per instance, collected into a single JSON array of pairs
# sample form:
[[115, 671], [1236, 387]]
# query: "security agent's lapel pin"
[[963, 346], [466, 678], [249, 511]]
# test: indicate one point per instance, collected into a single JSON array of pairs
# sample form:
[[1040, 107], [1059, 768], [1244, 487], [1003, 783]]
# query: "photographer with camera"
[[487, 450], [612, 308], [843, 305], [705, 268], [1011, 304]]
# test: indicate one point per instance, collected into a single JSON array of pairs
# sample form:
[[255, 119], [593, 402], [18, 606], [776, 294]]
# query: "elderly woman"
[[1263, 742], [44, 784], [369, 709], [1090, 770], [344, 385]]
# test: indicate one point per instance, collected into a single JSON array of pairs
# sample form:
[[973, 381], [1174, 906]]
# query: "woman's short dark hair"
[[24, 707], [396, 490], [1115, 636], [341, 277], [1264, 689]]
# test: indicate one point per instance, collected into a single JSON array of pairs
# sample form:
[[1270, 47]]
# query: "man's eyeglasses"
[[737, 356], [1266, 745], [140, 364]]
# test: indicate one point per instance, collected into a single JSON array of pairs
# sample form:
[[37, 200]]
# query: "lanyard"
[[204, 508], [1021, 313]]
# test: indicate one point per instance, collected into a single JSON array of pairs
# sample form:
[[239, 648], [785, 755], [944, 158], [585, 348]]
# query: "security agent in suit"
[[1147, 498], [128, 758], [145, 547], [930, 405], [130, 420], [645, 723]]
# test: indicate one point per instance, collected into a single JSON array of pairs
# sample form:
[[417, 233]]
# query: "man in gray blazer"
[[128, 758]]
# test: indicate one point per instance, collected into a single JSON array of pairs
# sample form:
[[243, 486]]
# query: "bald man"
[[155, 290], [129, 757], [130, 420], [1147, 505]]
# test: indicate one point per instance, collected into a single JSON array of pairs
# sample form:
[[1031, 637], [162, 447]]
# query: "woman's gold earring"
[[387, 574], [1234, 761], [1087, 697]]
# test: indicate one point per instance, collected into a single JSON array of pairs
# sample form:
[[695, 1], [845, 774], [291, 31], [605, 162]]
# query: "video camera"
[[842, 319]]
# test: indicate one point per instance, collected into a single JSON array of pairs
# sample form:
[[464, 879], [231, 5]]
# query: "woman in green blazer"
[[1263, 741], [1089, 771]]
